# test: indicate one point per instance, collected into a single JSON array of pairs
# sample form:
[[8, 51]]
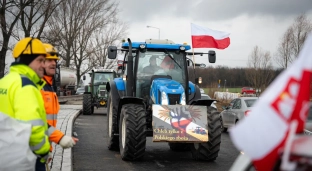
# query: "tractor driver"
[[152, 68]]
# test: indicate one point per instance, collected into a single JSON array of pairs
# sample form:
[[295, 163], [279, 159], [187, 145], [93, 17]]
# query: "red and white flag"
[[262, 134], [206, 38]]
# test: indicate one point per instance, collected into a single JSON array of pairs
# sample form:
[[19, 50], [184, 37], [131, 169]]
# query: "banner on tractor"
[[180, 123]]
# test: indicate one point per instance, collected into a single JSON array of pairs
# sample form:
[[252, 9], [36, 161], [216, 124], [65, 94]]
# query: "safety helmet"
[[51, 51], [29, 46]]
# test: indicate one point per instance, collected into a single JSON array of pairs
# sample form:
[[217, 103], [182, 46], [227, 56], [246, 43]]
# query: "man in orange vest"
[[50, 99]]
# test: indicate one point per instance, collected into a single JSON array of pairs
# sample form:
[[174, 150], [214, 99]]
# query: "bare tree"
[[73, 26], [285, 49], [292, 41], [34, 17], [301, 27], [260, 71], [111, 35], [10, 12], [29, 16]]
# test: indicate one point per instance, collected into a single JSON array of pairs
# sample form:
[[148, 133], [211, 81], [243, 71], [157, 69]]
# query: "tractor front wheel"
[[87, 107], [113, 140], [132, 132], [209, 151]]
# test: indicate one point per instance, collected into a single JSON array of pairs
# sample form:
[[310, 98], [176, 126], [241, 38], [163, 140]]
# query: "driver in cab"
[[152, 68]]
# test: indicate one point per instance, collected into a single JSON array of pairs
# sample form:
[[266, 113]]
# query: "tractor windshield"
[[166, 63], [100, 77]]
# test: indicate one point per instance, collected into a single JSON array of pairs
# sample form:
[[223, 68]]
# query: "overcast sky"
[[250, 23]]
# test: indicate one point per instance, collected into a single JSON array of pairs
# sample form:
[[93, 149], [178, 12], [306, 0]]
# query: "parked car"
[[202, 91], [248, 90], [206, 96], [236, 111], [308, 125], [80, 90]]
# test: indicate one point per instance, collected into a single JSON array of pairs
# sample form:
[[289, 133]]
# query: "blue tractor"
[[155, 72]]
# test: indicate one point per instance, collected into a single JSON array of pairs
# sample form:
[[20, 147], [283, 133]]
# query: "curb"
[[62, 159]]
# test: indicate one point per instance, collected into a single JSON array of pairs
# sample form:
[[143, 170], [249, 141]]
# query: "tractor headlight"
[[164, 99], [142, 46], [183, 102], [182, 48]]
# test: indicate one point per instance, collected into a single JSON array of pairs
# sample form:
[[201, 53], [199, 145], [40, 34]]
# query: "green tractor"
[[95, 94]]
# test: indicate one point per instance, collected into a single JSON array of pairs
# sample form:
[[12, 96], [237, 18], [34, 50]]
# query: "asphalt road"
[[91, 152]]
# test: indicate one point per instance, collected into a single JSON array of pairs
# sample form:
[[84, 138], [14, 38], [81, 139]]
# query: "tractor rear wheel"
[[179, 146], [113, 140], [209, 151], [132, 132], [87, 107]]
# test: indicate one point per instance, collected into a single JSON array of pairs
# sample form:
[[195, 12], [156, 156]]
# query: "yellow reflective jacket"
[[21, 99]]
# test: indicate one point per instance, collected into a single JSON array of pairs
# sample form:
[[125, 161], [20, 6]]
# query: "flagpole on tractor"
[[193, 58]]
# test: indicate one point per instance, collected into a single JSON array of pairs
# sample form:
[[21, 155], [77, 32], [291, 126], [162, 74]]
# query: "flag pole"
[[193, 58]]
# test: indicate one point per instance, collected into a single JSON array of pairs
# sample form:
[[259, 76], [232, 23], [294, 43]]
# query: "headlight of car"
[[183, 99], [164, 99]]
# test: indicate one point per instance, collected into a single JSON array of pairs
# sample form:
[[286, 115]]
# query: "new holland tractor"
[[155, 98], [95, 94]]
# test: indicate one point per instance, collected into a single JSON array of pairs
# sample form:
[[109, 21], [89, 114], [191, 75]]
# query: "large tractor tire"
[[112, 108], [209, 151], [132, 132], [87, 107], [179, 146]]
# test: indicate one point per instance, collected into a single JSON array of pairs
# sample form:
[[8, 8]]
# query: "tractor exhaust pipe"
[[130, 82]]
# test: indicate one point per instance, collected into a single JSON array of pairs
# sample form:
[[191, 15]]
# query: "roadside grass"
[[210, 91]]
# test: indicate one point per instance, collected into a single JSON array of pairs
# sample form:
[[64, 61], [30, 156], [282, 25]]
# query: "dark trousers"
[[40, 166]]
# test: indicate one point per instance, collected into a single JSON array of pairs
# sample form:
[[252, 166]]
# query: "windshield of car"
[[205, 96], [250, 102], [80, 90]]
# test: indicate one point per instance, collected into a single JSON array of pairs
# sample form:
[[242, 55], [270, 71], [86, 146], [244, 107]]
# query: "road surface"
[[91, 152]]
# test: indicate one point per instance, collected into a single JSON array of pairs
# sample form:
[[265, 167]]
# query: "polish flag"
[[262, 134], [207, 38]]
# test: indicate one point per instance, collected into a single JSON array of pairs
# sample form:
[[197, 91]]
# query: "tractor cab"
[[160, 71]]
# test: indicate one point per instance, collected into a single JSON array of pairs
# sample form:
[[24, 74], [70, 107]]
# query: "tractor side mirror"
[[84, 77], [112, 52], [212, 56]]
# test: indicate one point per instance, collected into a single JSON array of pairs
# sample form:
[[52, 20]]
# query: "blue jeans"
[[40, 166]]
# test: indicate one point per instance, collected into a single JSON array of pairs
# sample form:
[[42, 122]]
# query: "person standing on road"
[[50, 99], [20, 95]]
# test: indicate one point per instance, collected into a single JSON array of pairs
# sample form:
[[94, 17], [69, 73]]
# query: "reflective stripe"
[[38, 146], [51, 116], [36, 122], [51, 130]]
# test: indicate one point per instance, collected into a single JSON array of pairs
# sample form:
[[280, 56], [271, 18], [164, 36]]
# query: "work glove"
[[67, 142], [49, 158]]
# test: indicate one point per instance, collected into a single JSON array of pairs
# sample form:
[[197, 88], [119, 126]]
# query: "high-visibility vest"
[[52, 108], [21, 99]]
